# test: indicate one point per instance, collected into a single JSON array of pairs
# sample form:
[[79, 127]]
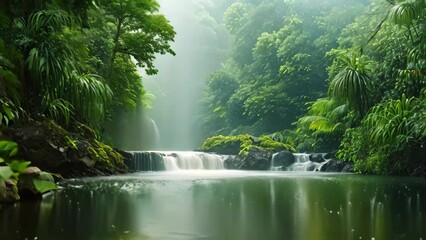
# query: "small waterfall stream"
[[173, 161], [302, 162], [190, 160]]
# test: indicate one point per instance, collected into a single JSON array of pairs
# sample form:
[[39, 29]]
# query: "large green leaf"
[[8, 149], [5, 172], [19, 166], [43, 186]]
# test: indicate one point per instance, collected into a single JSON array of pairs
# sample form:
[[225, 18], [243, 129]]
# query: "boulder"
[[316, 157], [26, 185], [328, 156], [348, 168], [51, 148], [254, 159], [8, 191], [283, 158], [233, 162], [335, 165]]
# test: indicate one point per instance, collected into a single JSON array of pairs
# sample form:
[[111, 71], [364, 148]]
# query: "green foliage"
[[227, 144], [277, 65], [43, 186], [323, 127], [406, 12], [352, 84], [241, 144], [390, 140], [56, 66], [267, 143], [8, 150], [16, 168]]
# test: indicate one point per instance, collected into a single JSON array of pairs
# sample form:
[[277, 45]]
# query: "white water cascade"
[[302, 163], [174, 161]]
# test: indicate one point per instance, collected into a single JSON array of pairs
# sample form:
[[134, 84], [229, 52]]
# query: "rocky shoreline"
[[60, 153]]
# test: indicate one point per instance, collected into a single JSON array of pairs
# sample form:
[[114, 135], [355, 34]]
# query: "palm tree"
[[352, 84]]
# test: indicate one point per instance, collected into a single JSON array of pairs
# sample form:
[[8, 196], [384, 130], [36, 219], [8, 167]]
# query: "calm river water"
[[224, 205]]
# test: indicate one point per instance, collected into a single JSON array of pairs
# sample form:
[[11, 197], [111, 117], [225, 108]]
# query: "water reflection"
[[224, 205]]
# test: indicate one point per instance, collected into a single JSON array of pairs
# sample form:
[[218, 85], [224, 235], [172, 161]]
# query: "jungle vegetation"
[[337, 75], [76, 61]]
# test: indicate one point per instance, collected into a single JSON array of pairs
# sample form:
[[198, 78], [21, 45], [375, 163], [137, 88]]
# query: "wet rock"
[[328, 156], [335, 165], [26, 185], [8, 191], [311, 167], [233, 162], [283, 158], [349, 167], [316, 157], [254, 159], [53, 149], [257, 160]]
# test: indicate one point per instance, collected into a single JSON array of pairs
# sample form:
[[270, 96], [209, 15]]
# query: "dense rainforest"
[[77, 60], [338, 76], [326, 76], [67, 70]]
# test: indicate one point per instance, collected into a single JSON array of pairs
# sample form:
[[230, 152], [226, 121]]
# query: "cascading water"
[[302, 162], [172, 161]]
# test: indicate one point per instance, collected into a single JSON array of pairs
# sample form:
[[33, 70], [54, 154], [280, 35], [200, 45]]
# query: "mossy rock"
[[8, 191], [230, 145], [241, 144], [70, 154], [104, 156]]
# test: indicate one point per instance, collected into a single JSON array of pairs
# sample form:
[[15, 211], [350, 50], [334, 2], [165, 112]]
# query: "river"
[[224, 204]]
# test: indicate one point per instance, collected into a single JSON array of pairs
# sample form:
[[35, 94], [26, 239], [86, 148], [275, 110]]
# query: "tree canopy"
[[330, 75], [70, 59]]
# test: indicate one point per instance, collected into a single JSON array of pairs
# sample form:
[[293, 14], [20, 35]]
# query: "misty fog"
[[200, 45]]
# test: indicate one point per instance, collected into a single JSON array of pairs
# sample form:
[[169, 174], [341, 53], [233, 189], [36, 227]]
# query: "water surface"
[[224, 205]]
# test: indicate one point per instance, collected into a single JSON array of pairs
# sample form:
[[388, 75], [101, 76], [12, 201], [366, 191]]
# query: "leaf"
[[1, 160], [43, 186], [5, 172], [7, 148], [19, 166]]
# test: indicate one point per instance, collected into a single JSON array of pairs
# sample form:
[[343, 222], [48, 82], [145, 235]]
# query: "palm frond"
[[405, 12]]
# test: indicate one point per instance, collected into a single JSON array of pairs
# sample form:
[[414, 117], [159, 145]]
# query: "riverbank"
[[63, 153]]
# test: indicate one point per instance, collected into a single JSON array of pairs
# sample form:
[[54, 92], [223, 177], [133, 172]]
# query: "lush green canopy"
[[370, 54], [70, 59]]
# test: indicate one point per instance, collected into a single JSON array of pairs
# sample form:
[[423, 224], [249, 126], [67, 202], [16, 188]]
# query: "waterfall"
[[148, 161], [173, 161], [302, 162]]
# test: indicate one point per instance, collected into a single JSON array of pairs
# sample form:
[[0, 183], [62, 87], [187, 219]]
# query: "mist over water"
[[201, 44]]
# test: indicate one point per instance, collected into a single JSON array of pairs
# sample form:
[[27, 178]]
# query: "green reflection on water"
[[225, 205]]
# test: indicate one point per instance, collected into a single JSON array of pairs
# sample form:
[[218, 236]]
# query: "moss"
[[227, 144], [241, 144], [103, 155], [267, 143]]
